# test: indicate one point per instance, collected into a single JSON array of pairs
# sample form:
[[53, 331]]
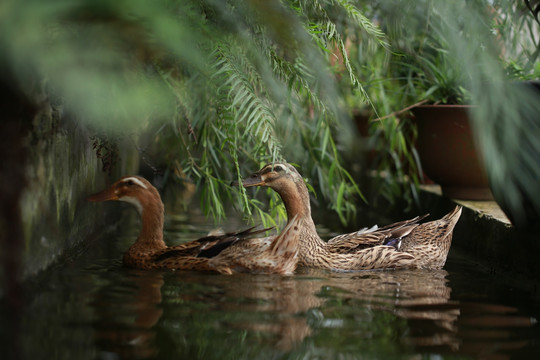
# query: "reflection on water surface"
[[95, 308]]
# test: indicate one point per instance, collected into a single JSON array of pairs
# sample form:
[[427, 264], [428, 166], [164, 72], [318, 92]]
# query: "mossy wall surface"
[[62, 169]]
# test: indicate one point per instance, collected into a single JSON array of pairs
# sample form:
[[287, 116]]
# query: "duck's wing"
[[213, 247], [368, 237], [208, 246], [276, 254]]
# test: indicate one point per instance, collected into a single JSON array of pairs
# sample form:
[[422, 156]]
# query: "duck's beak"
[[253, 180], [104, 195]]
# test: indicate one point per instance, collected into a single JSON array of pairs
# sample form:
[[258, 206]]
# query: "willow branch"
[[401, 111]]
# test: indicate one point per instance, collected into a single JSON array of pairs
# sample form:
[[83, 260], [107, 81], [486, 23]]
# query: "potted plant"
[[441, 54], [445, 142], [416, 73]]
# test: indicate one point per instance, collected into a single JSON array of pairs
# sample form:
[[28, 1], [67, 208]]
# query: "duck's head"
[[281, 177], [287, 182], [131, 189]]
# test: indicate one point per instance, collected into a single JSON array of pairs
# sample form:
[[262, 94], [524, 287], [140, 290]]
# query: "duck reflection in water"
[[128, 329], [290, 309], [187, 309]]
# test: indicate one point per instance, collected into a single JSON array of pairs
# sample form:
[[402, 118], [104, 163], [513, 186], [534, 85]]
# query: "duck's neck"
[[295, 196], [151, 236], [296, 200]]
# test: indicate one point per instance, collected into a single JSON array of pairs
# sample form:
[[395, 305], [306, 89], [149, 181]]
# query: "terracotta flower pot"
[[447, 151]]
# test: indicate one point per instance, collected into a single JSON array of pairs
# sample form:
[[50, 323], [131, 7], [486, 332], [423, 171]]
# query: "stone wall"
[[50, 164], [62, 170]]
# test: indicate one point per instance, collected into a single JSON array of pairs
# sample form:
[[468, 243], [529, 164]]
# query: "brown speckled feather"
[[277, 254], [405, 244], [190, 255], [430, 242], [318, 254], [366, 238], [227, 253]]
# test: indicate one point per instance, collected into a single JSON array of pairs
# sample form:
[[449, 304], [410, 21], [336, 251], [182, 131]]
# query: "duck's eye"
[[130, 183], [278, 168]]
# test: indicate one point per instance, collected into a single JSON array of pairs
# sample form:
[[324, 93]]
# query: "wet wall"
[[63, 168], [52, 162]]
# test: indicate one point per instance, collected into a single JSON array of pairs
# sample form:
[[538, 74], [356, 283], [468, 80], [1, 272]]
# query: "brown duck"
[[405, 244], [226, 254]]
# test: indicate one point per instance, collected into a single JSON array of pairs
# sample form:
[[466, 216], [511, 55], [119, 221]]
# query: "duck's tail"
[[453, 216], [437, 229], [430, 242]]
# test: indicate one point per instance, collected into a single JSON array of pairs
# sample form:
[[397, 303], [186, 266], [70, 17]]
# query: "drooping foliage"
[[236, 83], [226, 86]]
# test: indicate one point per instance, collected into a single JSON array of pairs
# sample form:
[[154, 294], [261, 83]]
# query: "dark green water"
[[93, 308]]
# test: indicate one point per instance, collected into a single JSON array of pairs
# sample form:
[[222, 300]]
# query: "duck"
[[226, 253], [402, 245]]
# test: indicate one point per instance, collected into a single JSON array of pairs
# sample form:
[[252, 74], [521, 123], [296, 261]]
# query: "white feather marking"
[[366, 230], [136, 181], [133, 201], [216, 232]]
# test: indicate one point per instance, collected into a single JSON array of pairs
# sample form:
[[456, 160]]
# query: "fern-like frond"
[[242, 94]]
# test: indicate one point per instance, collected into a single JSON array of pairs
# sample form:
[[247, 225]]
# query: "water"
[[93, 308]]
